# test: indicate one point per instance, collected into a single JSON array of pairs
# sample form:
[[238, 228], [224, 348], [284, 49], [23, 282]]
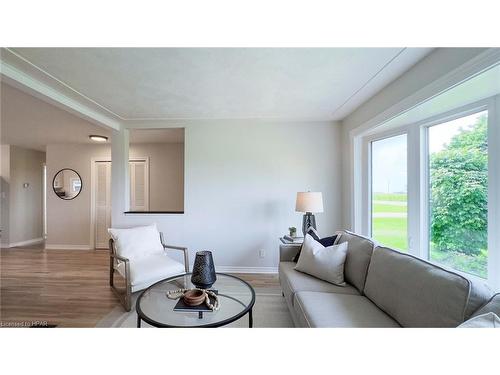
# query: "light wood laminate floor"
[[67, 288]]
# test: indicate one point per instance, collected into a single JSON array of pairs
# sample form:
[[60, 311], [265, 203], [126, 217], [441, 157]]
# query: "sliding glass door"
[[389, 209]]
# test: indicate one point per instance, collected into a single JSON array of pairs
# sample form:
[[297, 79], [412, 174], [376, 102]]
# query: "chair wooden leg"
[[124, 296], [128, 298], [111, 272]]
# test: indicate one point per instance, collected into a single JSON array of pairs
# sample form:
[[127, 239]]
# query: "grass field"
[[388, 230], [383, 207], [390, 197], [476, 265]]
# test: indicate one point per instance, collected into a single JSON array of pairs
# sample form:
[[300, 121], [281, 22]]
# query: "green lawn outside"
[[381, 207], [390, 231], [389, 197], [476, 265]]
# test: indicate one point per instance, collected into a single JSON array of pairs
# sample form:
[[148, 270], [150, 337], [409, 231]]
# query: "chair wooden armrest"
[[181, 248], [125, 297], [119, 257]]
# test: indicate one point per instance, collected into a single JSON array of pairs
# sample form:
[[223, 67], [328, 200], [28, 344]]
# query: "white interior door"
[[102, 203], [139, 185]]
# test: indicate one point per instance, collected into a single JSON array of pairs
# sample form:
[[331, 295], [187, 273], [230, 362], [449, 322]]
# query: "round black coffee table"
[[236, 299]]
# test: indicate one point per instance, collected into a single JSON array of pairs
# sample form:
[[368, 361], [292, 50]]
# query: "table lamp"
[[309, 202]]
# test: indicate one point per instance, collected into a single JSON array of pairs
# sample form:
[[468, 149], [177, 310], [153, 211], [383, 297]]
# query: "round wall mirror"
[[67, 184]]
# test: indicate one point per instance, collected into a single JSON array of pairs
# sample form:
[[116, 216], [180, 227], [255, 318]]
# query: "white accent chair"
[[139, 256]]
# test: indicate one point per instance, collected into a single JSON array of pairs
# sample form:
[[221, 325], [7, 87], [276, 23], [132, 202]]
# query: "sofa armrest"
[[288, 251]]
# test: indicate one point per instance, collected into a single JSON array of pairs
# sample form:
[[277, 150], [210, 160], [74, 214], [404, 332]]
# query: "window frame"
[[368, 199], [425, 175], [418, 181]]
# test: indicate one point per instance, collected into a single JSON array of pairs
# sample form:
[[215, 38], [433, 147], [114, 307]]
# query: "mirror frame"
[[54, 179]]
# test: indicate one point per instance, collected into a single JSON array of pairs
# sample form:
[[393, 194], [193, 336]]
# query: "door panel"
[[102, 204], [139, 185]]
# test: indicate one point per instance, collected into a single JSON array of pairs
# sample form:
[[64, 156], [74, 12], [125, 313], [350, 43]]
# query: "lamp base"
[[308, 220]]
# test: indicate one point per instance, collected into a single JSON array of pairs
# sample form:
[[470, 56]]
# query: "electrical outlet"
[[262, 253]]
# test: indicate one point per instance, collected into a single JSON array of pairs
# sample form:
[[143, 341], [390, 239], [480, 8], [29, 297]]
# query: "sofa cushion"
[[315, 309], [414, 292], [325, 263], [358, 258], [293, 281], [493, 305], [147, 271]]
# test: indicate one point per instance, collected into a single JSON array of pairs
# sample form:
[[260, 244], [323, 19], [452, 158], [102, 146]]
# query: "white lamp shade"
[[310, 201]]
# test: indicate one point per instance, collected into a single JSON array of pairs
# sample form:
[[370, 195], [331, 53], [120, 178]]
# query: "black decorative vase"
[[203, 270]]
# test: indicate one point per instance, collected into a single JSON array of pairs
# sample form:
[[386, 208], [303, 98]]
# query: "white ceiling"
[[173, 135], [221, 83], [29, 122]]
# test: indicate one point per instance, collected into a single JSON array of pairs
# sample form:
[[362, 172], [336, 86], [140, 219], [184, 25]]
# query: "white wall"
[[241, 178], [434, 66], [68, 221], [166, 174], [22, 207]]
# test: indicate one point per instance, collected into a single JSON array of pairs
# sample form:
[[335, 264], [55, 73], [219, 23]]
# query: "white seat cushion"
[[325, 310], [146, 271], [137, 242]]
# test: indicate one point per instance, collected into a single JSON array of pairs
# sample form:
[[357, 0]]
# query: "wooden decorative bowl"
[[194, 297]]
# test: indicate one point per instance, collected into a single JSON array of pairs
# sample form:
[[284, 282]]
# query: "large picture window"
[[458, 193], [389, 221], [427, 182]]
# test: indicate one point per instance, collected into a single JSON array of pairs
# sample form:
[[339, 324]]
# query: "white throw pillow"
[[325, 263], [488, 320], [138, 242]]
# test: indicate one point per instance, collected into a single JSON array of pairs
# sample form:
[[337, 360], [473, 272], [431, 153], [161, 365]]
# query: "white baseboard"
[[67, 247], [232, 269], [22, 243]]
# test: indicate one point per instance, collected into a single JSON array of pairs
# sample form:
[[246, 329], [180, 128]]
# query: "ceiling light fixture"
[[98, 138]]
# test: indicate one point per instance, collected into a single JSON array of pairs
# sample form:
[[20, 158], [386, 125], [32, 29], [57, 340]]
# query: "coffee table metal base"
[[200, 316]]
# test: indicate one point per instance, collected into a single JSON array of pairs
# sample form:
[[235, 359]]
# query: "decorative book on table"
[[182, 307], [286, 239]]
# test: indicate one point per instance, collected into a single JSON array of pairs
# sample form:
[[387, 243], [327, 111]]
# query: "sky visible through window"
[[389, 168], [389, 165], [443, 133]]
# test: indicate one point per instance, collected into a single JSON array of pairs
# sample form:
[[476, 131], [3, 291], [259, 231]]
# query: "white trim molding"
[[468, 70], [67, 247], [22, 243], [234, 269], [44, 91]]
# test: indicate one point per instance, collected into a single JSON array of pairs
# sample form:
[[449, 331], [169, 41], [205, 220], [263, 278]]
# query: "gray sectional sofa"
[[385, 288]]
